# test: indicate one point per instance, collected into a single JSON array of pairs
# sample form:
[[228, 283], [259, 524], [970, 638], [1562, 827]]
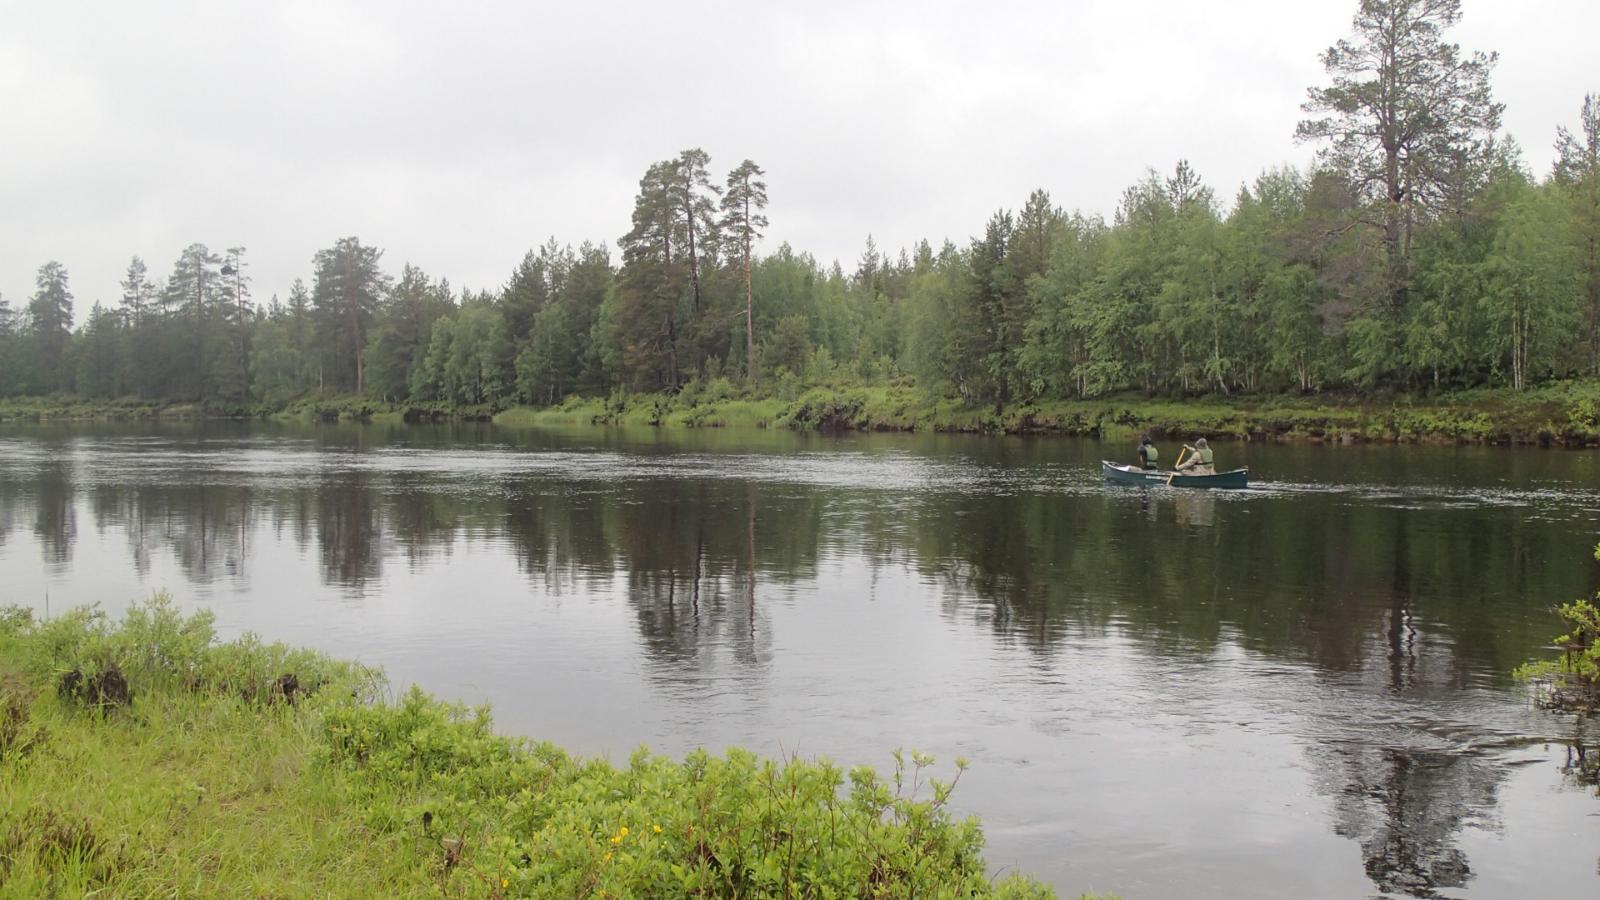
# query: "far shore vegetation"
[[144, 757], [1563, 413], [1418, 279]]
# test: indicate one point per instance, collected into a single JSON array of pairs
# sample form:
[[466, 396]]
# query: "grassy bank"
[[315, 408], [1565, 413], [145, 758], [66, 408]]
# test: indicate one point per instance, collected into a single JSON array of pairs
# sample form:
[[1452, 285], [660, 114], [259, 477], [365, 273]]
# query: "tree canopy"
[[1417, 253]]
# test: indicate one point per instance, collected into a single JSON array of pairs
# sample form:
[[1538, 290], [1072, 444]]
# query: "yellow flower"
[[657, 828], [505, 882], [623, 831], [608, 856]]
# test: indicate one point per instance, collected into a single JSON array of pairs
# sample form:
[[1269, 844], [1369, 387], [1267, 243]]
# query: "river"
[[1300, 689]]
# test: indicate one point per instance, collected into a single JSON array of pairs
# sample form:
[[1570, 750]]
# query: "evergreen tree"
[[236, 314], [137, 292], [193, 295], [640, 328], [98, 374], [1406, 120], [1577, 173], [345, 295], [50, 317], [742, 221], [402, 331], [692, 198]]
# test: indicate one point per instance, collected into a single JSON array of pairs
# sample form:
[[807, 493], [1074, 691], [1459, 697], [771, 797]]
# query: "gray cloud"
[[458, 138]]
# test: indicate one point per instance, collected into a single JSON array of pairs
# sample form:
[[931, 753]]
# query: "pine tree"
[[193, 293], [692, 194], [642, 329], [136, 292], [742, 221], [1407, 119], [345, 296], [50, 316], [236, 312], [1577, 172]]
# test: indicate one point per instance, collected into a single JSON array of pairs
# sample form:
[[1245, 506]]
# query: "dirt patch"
[[19, 734], [100, 690], [52, 839], [284, 689]]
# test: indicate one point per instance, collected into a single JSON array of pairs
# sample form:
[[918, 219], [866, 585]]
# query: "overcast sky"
[[458, 138]]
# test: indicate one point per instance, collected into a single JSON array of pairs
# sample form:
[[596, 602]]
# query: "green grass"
[[214, 780], [1566, 413], [66, 407], [1562, 413]]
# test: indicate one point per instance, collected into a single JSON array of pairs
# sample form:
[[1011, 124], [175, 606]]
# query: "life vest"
[[1151, 455], [1205, 455]]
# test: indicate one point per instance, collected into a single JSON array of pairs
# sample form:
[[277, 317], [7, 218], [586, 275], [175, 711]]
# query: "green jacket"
[[1150, 454]]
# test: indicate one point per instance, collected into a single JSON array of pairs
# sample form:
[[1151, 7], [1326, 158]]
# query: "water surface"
[[1296, 690]]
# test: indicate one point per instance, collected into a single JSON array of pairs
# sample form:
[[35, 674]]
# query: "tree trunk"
[[355, 338], [694, 257], [1594, 300], [749, 305], [672, 350]]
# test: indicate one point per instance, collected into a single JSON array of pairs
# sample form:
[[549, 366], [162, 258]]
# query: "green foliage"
[[1572, 681], [327, 791], [546, 824], [1478, 276]]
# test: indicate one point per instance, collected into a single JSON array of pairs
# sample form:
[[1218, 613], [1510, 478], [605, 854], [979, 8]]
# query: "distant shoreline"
[[1562, 415]]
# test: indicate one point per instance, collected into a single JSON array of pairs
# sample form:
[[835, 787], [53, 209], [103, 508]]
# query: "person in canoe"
[[1201, 463], [1149, 456]]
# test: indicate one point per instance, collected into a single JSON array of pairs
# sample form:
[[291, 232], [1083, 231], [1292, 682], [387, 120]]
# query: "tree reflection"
[[1581, 765], [10, 506], [1406, 808], [348, 535], [691, 563], [1385, 601], [55, 514]]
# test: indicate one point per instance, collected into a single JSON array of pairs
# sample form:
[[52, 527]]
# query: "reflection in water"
[[1195, 509], [1406, 808], [55, 512], [1581, 764], [347, 530], [1403, 608]]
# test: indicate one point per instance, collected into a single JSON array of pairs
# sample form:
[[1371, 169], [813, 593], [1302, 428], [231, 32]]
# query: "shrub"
[[1571, 682], [533, 817], [427, 796]]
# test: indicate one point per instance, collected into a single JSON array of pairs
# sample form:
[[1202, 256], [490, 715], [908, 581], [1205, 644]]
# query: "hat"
[[1200, 443]]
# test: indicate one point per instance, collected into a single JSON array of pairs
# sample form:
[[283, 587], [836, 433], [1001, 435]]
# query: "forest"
[[1417, 254]]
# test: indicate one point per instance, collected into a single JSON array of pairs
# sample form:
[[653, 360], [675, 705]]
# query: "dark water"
[[1298, 690]]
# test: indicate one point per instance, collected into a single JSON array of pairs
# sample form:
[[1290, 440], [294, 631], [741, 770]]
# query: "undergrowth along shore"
[[144, 757], [1561, 414]]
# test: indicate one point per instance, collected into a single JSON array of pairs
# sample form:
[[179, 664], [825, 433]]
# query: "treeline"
[[1418, 253]]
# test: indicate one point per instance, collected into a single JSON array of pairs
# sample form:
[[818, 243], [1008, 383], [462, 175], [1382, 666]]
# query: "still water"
[[1296, 690]]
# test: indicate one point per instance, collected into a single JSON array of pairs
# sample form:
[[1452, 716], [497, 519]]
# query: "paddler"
[[1201, 463], [1149, 456]]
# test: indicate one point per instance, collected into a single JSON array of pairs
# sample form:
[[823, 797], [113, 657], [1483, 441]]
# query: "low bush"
[[1571, 682], [217, 776]]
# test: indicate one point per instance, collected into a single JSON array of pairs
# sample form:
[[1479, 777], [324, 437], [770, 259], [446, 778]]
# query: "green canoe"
[[1236, 478]]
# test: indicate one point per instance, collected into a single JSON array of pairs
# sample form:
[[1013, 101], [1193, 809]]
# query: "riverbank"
[[1560, 414], [1566, 414], [144, 757]]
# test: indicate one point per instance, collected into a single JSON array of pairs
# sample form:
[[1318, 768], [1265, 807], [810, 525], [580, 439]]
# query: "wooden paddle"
[[1176, 463]]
